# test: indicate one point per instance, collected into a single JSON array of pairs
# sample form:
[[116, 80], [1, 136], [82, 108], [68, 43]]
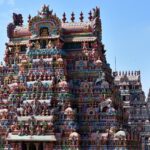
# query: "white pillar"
[[27, 145], [36, 145], [143, 143]]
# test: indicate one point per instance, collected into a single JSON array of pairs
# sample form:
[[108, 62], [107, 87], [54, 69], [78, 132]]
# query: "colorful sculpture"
[[57, 86]]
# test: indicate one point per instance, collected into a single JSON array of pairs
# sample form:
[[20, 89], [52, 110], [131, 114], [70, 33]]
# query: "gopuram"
[[57, 91]]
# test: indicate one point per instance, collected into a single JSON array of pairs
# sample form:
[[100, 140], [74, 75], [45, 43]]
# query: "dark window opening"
[[23, 48], [24, 146], [105, 109], [137, 87], [90, 45], [43, 43], [76, 45], [32, 146], [130, 87], [124, 98]]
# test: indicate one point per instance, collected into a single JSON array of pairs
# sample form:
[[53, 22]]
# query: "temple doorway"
[[43, 44], [32, 146], [40, 146], [24, 147]]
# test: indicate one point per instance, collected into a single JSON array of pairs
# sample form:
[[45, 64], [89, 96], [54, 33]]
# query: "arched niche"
[[44, 31]]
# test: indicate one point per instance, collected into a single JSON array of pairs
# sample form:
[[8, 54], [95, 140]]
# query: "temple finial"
[[29, 18], [90, 16], [17, 19], [72, 17], [81, 16], [55, 14], [64, 17], [96, 13], [45, 12]]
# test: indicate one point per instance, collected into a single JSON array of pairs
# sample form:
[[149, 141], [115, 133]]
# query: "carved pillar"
[[19, 146], [27, 145], [44, 146], [143, 143], [13, 146], [36, 145]]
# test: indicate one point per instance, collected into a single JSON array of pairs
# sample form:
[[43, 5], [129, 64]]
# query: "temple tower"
[[57, 86], [135, 108]]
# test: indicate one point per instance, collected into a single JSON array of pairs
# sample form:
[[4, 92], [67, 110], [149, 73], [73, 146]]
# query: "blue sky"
[[125, 28]]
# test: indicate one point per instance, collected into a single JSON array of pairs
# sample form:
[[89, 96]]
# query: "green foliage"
[[1, 144]]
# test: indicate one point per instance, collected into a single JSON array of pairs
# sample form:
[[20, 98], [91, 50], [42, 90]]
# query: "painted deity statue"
[[37, 45], [50, 44]]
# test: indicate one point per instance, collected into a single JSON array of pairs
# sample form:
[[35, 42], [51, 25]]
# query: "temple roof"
[[21, 42], [26, 118], [45, 138], [80, 39], [20, 31], [77, 27], [71, 27], [126, 78], [47, 19]]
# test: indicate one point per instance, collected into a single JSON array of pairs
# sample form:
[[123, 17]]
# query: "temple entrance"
[[24, 147], [43, 44], [40, 146], [32, 146]]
